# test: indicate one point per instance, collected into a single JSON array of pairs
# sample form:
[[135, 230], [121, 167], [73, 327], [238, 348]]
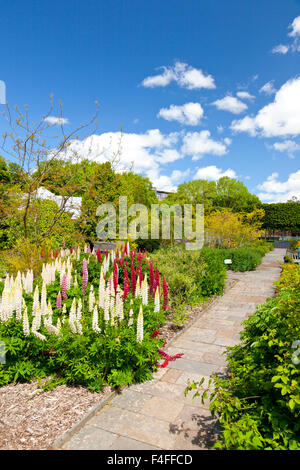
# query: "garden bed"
[[31, 419]]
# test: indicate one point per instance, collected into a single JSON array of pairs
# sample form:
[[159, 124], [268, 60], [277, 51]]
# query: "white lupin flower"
[[44, 300], [79, 310], [72, 317], [51, 328], [119, 304], [26, 328], [58, 326], [36, 296], [36, 322], [76, 281], [138, 292], [130, 321], [106, 305], [140, 326], [91, 299], [95, 325], [39, 335], [145, 291], [157, 300], [49, 312], [101, 289]]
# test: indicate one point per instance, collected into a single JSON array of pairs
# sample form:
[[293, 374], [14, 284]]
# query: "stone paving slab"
[[156, 414]]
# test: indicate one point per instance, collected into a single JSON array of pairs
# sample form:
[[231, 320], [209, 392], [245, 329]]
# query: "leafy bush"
[[258, 403], [191, 275]]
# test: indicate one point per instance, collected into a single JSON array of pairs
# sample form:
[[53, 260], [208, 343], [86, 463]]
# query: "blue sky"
[[202, 89]]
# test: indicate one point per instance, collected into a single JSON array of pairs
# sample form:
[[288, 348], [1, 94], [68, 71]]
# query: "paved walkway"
[[155, 414]]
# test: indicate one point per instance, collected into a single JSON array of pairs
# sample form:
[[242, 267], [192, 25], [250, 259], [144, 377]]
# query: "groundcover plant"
[[91, 318]]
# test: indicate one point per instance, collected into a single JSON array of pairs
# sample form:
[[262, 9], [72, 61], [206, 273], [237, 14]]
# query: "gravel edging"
[[76, 427]]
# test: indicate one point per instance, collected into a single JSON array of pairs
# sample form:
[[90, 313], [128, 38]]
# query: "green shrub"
[[213, 280], [258, 403], [191, 275]]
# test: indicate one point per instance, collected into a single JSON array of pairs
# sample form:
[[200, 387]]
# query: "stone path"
[[155, 414]]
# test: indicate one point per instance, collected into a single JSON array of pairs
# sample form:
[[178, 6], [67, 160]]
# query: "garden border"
[[76, 427]]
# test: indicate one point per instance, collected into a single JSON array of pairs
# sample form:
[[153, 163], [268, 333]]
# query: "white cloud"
[[273, 190], [280, 49], [167, 183], [189, 113], [144, 151], [220, 129], [230, 103], [268, 88], [183, 74], [244, 95], [295, 27], [198, 144], [212, 173], [280, 118], [56, 121], [288, 146]]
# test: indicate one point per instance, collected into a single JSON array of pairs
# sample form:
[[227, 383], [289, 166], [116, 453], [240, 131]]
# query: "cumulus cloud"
[[295, 27], [143, 151], [212, 173], [268, 88], [244, 95], [273, 190], [200, 143], [287, 146], [189, 113], [231, 104], [280, 118], [167, 183], [280, 49], [183, 74], [56, 121]]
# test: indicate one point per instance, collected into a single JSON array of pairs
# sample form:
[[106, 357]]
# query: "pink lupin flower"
[[115, 276], [85, 276], [126, 283], [133, 278], [64, 287], [152, 279], [99, 256], [58, 301]]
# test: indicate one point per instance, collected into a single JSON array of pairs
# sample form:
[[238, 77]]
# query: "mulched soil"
[[31, 419]]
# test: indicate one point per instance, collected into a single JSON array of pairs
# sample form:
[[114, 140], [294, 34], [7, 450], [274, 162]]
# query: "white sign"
[[227, 261]]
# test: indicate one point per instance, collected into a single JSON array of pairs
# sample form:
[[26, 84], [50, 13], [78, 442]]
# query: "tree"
[[232, 229], [234, 195], [33, 158], [226, 192], [282, 216], [194, 192]]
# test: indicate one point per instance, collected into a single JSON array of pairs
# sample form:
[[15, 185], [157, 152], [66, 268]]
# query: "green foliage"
[[258, 403], [282, 216], [226, 192], [147, 245], [245, 258], [191, 275]]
